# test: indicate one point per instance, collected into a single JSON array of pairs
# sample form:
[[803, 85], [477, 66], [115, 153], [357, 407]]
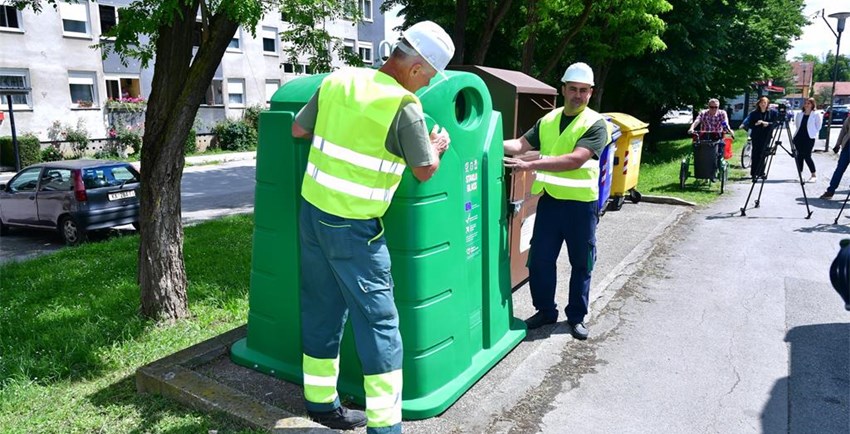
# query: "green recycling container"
[[447, 240]]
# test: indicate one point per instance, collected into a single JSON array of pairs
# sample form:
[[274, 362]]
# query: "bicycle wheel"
[[747, 154]]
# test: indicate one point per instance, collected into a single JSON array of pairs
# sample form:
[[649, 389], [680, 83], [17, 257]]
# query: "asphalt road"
[[207, 192]]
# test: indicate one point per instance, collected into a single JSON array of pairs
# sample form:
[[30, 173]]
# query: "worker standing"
[[366, 127], [570, 139]]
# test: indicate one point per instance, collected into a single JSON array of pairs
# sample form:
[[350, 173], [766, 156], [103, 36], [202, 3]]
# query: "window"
[[214, 94], [365, 51], [271, 88], [75, 17], [15, 78], [270, 40], [349, 45], [26, 180], [83, 92], [108, 18], [118, 88], [196, 34], [366, 9], [236, 92], [233, 45], [56, 180], [294, 68], [9, 17]]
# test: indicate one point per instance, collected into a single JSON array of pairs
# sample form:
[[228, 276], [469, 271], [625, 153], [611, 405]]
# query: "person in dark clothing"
[[808, 123], [760, 122]]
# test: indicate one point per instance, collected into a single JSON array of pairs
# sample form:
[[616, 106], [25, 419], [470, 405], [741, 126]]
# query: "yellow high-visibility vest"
[[581, 184], [349, 171]]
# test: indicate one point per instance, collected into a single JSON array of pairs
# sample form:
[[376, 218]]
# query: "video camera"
[[783, 112]]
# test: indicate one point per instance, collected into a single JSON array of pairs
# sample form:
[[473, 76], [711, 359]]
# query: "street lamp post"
[[842, 21]]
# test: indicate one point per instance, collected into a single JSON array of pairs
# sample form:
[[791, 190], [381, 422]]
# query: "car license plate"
[[122, 195]]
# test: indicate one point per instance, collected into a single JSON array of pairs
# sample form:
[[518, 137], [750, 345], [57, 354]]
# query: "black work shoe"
[[827, 195], [578, 330], [341, 418], [538, 320]]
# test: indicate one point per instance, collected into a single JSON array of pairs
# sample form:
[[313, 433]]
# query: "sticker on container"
[[525, 233]]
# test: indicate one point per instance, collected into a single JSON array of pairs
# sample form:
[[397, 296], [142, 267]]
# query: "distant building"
[[842, 91], [802, 84], [51, 53]]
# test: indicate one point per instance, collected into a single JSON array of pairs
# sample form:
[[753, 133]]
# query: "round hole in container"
[[469, 107]]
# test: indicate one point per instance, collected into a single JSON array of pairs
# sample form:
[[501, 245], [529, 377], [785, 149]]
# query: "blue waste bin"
[[606, 167]]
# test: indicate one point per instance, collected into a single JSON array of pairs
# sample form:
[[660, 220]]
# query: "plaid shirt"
[[713, 123]]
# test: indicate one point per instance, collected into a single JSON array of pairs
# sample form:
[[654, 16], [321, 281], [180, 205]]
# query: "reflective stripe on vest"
[[356, 158], [581, 184], [320, 376], [383, 398], [348, 187], [350, 173]]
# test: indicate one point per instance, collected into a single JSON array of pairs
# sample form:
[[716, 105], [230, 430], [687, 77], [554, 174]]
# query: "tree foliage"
[[825, 66]]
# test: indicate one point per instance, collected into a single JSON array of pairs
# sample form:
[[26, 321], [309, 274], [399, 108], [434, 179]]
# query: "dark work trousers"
[[804, 147], [843, 162], [761, 142], [345, 273], [558, 221]]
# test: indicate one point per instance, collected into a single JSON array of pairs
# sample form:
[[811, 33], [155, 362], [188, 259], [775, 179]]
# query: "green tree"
[[715, 48], [164, 30]]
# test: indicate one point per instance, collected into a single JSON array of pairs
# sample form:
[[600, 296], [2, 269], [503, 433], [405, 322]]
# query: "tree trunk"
[[179, 84], [559, 52], [528, 45], [599, 89], [459, 33], [495, 14]]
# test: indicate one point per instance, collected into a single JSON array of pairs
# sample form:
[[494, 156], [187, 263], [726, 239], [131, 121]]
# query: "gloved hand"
[[440, 139]]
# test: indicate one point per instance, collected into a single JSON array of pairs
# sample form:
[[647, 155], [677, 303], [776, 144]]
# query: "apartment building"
[[52, 53]]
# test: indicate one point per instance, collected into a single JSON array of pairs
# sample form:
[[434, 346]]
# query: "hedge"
[[29, 148]]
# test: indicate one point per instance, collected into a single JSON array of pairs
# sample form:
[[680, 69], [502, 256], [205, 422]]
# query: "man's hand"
[[517, 164], [440, 139]]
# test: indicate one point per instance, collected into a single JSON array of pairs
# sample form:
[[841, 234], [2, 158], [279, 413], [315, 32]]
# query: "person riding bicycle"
[[713, 120]]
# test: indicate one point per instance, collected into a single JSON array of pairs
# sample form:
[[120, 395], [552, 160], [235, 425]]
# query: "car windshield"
[[105, 176]]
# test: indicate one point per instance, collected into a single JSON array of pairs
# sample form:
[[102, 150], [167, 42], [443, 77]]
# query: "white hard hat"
[[579, 73], [431, 42]]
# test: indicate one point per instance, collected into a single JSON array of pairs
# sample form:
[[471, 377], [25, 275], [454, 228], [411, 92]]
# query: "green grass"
[[660, 163], [71, 337]]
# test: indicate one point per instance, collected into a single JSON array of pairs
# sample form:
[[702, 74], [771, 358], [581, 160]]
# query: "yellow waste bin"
[[627, 159]]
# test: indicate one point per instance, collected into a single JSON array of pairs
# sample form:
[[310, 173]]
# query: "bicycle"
[[747, 154]]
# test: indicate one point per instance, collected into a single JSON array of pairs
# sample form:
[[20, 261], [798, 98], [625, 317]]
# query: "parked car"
[[72, 197], [839, 113]]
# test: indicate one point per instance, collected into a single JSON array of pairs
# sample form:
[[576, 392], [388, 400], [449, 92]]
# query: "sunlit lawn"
[[71, 338], [659, 168]]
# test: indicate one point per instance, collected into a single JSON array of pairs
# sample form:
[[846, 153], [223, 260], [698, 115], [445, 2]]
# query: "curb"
[[667, 200], [173, 377]]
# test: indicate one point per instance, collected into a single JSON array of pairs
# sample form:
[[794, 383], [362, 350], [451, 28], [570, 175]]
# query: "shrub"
[[50, 153], [235, 135], [29, 150], [251, 116], [77, 136], [126, 137], [191, 145]]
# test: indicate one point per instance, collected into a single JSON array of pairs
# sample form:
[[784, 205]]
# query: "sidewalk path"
[[732, 327]]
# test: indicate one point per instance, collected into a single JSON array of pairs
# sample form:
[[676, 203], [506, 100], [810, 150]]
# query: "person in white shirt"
[[808, 122]]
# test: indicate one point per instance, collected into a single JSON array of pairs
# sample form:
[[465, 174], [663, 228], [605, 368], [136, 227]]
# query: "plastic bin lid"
[[626, 122], [615, 130]]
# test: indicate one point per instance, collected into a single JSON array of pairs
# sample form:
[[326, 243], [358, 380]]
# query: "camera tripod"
[[770, 152]]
